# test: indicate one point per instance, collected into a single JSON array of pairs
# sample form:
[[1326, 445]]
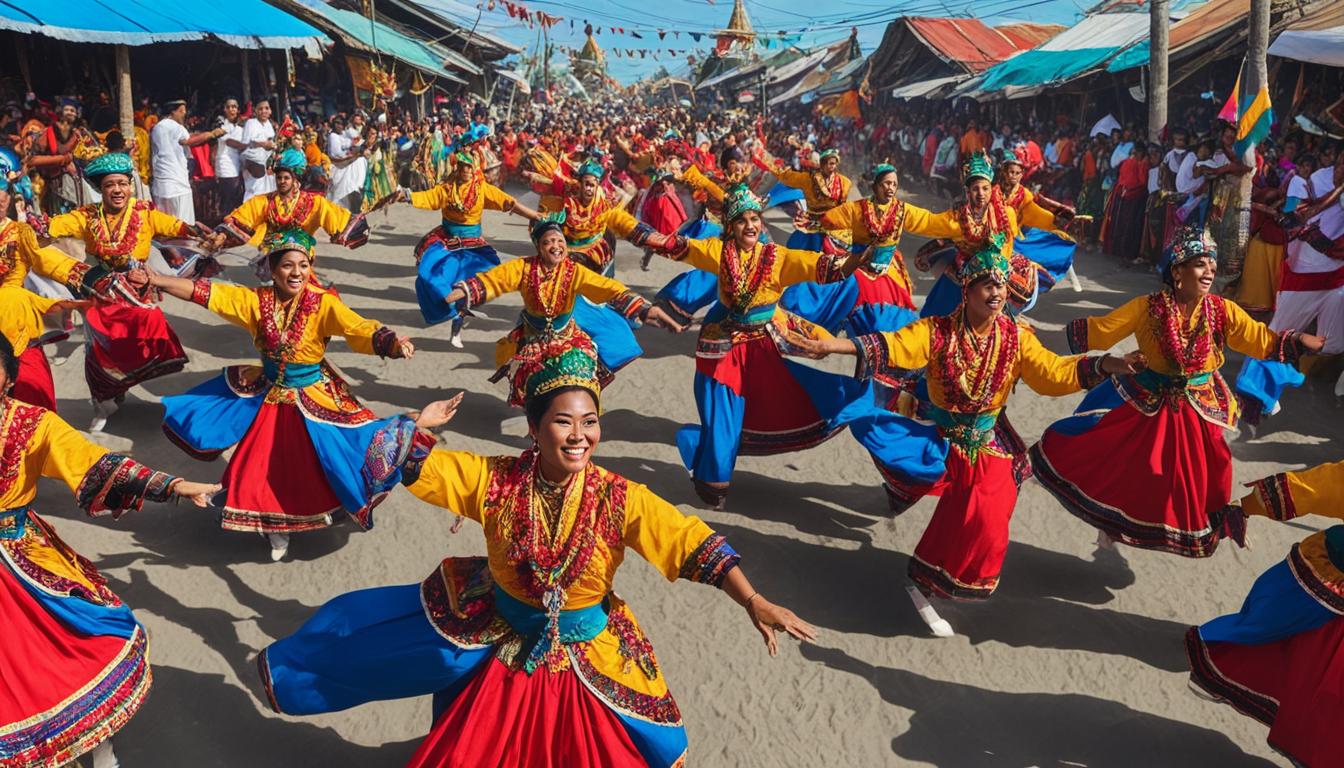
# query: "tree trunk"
[[125, 103], [1256, 77], [1159, 25], [247, 77]]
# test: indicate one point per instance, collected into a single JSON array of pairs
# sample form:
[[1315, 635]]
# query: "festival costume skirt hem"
[[35, 385], [250, 521], [128, 346], [1205, 674], [439, 268]]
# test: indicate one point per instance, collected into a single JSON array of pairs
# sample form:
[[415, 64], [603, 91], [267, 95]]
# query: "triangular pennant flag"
[[661, 34], [1229, 111]]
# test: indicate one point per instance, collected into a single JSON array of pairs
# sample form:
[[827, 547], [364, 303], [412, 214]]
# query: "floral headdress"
[[558, 361], [977, 166], [1187, 243], [988, 261], [737, 200], [107, 164]]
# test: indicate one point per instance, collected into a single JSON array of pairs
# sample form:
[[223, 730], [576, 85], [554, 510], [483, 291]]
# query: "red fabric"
[[967, 41], [754, 370], [276, 472], [882, 290], [1169, 469], [1311, 281], [664, 212], [205, 163], [47, 663], [967, 537], [542, 720], [1305, 674], [34, 385], [130, 345], [1133, 178]]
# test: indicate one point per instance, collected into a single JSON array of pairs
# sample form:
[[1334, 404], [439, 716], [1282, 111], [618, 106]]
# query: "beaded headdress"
[[288, 240], [1010, 158], [559, 361], [988, 261], [548, 222], [977, 166], [592, 167], [737, 200], [1186, 244], [291, 160], [107, 164]]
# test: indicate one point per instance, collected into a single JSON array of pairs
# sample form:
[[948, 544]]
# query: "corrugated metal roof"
[[1080, 49], [965, 41], [240, 23], [1027, 35]]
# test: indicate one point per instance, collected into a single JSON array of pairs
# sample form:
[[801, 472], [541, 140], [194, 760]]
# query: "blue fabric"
[[298, 375], [1038, 67], [1047, 249], [660, 745], [806, 241], [700, 229], [242, 23], [826, 304], [77, 613], [1266, 380], [440, 269], [943, 298], [610, 332], [576, 626], [370, 645], [464, 231], [691, 291], [1099, 401], [13, 522], [210, 416], [341, 451], [875, 318], [781, 194], [709, 450], [1277, 607]]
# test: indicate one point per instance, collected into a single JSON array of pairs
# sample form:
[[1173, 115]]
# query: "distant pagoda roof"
[[739, 24]]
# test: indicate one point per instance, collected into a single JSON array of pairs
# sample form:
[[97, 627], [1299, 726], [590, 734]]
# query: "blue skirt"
[[1277, 607], [1049, 250], [781, 194], [611, 333], [440, 269]]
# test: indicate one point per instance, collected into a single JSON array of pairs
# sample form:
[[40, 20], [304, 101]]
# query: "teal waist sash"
[[584, 242], [463, 231], [752, 317], [1157, 382], [534, 624], [296, 375], [13, 522], [971, 431], [880, 258], [539, 323]]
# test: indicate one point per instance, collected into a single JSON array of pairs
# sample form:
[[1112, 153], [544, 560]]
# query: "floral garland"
[[833, 190], [580, 220], [891, 223], [115, 248], [973, 370], [549, 288], [975, 234], [282, 327], [18, 422], [278, 219], [743, 285], [9, 247], [1187, 352], [462, 200]]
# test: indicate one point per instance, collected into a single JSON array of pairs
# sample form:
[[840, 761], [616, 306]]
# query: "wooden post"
[[125, 102], [1256, 77], [21, 51], [1159, 25], [247, 77]]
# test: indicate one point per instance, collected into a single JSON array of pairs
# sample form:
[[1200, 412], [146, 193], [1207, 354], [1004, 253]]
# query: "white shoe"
[[102, 409], [1104, 541], [456, 339], [104, 757], [937, 624], [279, 546]]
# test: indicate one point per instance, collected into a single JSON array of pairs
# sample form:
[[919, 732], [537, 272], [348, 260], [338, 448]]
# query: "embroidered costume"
[[822, 194], [76, 669], [588, 227]]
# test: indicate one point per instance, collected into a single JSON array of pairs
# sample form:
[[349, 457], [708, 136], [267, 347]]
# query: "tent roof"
[[1317, 38], [378, 38], [957, 47], [1075, 51], [1028, 35], [924, 87], [1208, 21], [240, 23], [450, 14], [967, 42]]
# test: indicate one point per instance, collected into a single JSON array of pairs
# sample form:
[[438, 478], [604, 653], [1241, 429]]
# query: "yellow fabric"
[[76, 224], [55, 450], [509, 276], [657, 531], [1030, 214], [21, 314], [1315, 491], [325, 215], [693, 177], [791, 267], [802, 180], [1044, 371], [18, 243], [488, 196], [1243, 334], [242, 307], [141, 156], [1260, 276], [919, 221], [614, 218]]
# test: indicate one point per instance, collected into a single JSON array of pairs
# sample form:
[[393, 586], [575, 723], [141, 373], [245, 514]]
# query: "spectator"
[[229, 158], [259, 143], [171, 180]]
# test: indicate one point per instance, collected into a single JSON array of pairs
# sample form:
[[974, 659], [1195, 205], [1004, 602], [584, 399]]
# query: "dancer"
[[1041, 221], [532, 658], [587, 215], [455, 250], [974, 359], [749, 398], [1277, 659], [78, 669], [823, 189], [21, 313], [561, 300], [128, 342], [1143, 459], [301, 434]]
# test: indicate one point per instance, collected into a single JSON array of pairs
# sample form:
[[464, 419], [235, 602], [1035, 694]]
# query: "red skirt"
[[127, 346], [1154, 482], [961, 553], [34, 385], [1295, 686], [274, 481], [543, 720]]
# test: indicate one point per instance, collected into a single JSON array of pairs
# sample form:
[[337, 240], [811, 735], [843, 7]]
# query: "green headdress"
[[568, 360], [592, 167], [288, 240], [291, 160], [548, 222], [828, 152], [1010, 158], [108, 164], [977, 166], [465, 157], [737, 200], [988, 261]]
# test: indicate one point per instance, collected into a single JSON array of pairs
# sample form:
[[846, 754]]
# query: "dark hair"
[[273, 258], [1308, 158], [11, 361], [537, 407]]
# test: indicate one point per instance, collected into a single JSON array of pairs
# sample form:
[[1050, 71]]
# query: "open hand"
[[406, 348], [198, 493], [770, 618], [1132, 363], [658, 317], [439, 412], [1311, 342]]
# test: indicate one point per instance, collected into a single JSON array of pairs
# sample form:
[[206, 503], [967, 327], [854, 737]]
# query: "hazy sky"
[[791, 16]]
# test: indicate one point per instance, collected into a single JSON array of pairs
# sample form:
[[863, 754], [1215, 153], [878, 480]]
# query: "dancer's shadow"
[[966, 726]]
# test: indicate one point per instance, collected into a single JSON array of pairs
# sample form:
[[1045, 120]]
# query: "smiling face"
[[588, 187], [1194, 278], [977, 192], [263, 110], [746, 229], [68, 113], [116, 189], [984, 299], [290, 273], [884, 189], [552, 248], [567, 434]]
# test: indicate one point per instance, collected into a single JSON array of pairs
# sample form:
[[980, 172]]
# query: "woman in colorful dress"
[[824, 189], [1277, 660], [21, 313], [530, 655], [974, 359], [589, 216], [560, 300], [128, 342], [749, 398], [1040, 220], [1144, 459], [77, 669], [301, 434], [455, 250]]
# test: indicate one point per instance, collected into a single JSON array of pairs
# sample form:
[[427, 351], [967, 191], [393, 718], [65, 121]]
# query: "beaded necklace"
[[1187, 351], [114, 241], [834, 189], [282, 323], [549, 288], [462, 197], [286, 213], [580, 218], [743, 284], [975, 233], [9, 249], [890, 223], [974, 370]]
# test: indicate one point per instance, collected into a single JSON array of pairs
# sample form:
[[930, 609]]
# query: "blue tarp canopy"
[[1074, 52], [430, 58], [240, 23]]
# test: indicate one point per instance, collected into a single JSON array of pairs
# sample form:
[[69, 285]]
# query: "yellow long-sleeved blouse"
[[306, 211], [463, 202], [116, 241], [559, 287], [293, 333], [1028, 212], [21, 314], [586, 224], [868, 223], [787, 267], [43, 446], [820, 198], [698, 180], [20, 254], [1290, 495]]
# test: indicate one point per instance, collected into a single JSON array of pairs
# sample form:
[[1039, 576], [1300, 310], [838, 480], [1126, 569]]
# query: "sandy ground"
[[1074, 662]]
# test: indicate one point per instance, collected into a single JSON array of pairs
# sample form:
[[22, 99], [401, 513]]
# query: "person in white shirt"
[[348, 164], [259, 138], [170, 184], [229, 158]]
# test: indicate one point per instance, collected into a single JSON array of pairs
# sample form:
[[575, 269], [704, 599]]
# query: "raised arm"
[[368, 337], [1092, 333], [1251, 337], [921, 221]]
